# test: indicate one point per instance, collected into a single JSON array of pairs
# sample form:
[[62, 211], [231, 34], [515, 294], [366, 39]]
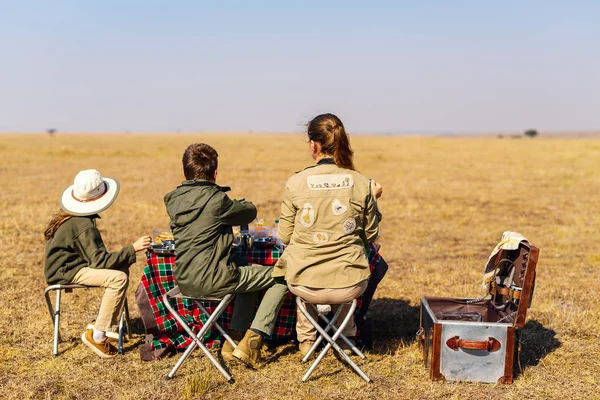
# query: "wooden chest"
[[477, 340]]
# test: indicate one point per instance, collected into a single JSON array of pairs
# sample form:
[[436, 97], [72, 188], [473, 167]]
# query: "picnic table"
[[163, 332]]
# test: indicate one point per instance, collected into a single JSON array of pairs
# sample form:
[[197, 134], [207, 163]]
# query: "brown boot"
[[249, 349], [305, 346], [347, 349], [227, 348], [103, 348]]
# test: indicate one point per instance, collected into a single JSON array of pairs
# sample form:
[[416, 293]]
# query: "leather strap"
[[490, 345], [504, 291]]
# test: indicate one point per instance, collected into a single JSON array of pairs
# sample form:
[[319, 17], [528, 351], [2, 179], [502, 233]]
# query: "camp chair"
[[55, 315], [198, 338], [331, 340]]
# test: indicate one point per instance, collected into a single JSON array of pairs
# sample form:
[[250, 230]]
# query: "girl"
[[75, 253]]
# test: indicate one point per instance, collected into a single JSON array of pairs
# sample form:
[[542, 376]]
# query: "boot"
[[305, 346], [347, 349], [227, 348], [249, 349]]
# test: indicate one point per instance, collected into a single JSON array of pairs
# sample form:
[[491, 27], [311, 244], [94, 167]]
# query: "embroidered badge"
[[349, 225], [320, 237], [338, 208], [330, 181], [307, 216]]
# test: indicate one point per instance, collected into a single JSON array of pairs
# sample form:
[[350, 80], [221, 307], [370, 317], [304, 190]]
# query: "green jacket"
[[77, 244], [201, 219]]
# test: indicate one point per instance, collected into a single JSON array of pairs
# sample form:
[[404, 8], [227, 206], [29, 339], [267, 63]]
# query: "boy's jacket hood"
[[186, 203]]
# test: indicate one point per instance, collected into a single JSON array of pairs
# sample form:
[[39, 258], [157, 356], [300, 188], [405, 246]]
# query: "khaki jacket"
[[77, 244], [328, 216]]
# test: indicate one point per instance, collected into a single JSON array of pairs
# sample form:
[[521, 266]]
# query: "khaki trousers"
[[304, 329], [115, 284]]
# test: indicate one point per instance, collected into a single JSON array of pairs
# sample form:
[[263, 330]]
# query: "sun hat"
[[89, 194]]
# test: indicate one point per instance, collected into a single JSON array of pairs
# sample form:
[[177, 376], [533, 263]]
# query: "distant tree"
[[51, 131], [531, 133]]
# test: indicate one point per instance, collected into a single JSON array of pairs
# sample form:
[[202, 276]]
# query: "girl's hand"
[[376, 188], [142, 243]]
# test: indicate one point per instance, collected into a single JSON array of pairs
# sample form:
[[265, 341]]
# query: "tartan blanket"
[[157, 279]]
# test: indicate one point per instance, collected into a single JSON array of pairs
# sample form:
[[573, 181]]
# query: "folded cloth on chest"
[[510, 241]]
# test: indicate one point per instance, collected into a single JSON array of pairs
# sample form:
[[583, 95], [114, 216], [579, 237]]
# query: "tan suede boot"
[[305, 346], [347, 349], [249, 349], [227, 348]]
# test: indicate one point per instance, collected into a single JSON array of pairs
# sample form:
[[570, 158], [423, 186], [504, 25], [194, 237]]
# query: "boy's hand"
[[142, 243], [376, 188]]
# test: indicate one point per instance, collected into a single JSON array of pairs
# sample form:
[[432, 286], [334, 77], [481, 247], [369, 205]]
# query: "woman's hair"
[[200, 161], [57, 220], [328, 130]]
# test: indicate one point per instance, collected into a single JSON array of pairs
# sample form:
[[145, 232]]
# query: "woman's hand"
[[376, 188], [142, 243]]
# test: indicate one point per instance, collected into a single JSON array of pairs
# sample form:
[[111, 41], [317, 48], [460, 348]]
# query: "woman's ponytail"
[[329, 131], [343, 155]]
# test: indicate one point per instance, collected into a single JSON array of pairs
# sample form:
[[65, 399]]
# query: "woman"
[[75, 253], [328, 215]]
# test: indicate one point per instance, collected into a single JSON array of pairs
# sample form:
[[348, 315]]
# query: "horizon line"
[[446, 132]]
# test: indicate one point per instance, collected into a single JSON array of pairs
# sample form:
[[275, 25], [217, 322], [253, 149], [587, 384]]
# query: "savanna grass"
[[446, 203]]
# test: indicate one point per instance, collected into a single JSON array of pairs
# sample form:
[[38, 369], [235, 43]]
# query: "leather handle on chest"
[[490, 345]]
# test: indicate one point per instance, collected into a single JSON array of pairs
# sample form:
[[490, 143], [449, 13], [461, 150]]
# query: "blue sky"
[[381, 66]]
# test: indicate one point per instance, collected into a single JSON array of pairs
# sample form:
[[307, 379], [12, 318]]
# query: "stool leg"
[[331, 340], [319, 339], [121, 332], [56, 324], [327, 347], [127, 320], [344, 338], [221, 330], [212, 320], [183, 357], [197, 337]]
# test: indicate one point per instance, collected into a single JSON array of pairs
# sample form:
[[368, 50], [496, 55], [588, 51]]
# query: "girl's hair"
[[328, 130], [57, 220]]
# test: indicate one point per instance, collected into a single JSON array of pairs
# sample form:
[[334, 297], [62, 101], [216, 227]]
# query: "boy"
[[201, 219]]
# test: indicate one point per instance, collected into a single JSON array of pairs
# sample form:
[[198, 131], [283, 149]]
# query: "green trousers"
[[252, 280]]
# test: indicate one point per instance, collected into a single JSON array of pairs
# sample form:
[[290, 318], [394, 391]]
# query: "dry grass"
[[446, 203]]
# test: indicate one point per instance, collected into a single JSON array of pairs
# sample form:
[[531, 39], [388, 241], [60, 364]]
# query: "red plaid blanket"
[[157, 279]]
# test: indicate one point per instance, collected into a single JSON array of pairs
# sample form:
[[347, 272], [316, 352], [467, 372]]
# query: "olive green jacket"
[[201, 219], [328, 216], [77, 244]]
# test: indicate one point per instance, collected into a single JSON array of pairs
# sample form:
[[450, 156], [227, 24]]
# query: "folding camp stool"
[[198, 338], [331, 340], [55, 315]]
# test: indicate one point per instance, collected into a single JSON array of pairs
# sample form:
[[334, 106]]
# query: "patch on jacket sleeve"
[[320, 237], [338, 208], [330, 181], [349, 225], [307, 216]]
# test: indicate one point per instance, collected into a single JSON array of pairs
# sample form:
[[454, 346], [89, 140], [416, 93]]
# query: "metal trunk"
[[477, 340]]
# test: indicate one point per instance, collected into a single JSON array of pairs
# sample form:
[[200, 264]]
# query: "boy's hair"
[[200, 161]]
